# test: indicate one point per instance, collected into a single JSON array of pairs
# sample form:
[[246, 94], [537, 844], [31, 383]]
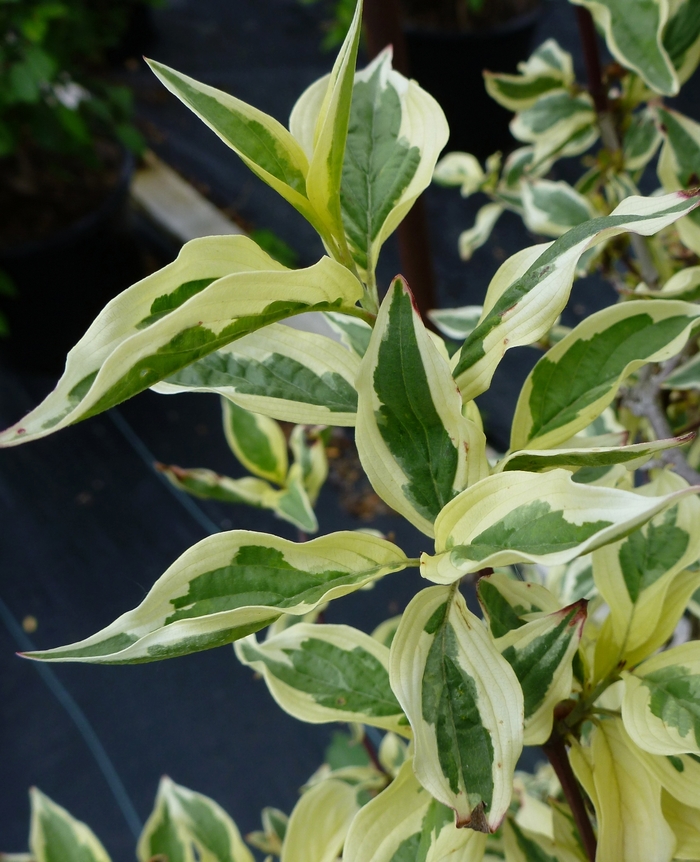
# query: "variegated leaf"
[[319, 822], [476, 236], [557, 124], [626, 797], [678, 165], [681, 37], [405, 823], [541, 652], [396, 133], [456, 323], [678, 774], [354, 333], [257, 442], [579, 377], [56, 835], [551, 208], [686, 376], [459, 169], [416, 447], [208, 485], [310, 453], [685, 825], [230, 585], [675, 602], [115, 359], [294, 505], [204, 823], [464, 703], [587, 457], [530, 290], [525, 845], [330, 132], [164, 834], [281, 372], [264, 145], [634, 575], [517, 517], [641, 140], [507, 602], [635, 38], [270, 838], [548, 68], [684, 284], [661, 704], [322, 673]]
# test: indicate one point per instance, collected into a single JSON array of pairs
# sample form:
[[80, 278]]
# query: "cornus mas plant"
[[567, 658]]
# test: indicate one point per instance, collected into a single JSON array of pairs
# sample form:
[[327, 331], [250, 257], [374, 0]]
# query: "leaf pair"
[[359, 151], [260, 445], [219, 290], [182, 822], [660, 41]]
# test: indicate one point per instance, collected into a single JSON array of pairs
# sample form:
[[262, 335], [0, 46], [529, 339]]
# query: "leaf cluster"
[[583, 573]]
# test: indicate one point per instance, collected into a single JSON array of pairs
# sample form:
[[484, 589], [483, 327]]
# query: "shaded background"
[[87, 526]]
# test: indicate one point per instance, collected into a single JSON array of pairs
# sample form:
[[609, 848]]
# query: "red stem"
[[591, 58], [555, 749]]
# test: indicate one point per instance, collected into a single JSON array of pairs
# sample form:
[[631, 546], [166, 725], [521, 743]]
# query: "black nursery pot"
[[449, 65], [65, 280]]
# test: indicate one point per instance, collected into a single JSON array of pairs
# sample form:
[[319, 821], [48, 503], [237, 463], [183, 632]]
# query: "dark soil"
[[47, 192]]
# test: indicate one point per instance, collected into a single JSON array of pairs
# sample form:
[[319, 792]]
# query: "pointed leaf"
[[208, 485], [319, 823], [545, 518], [635, 40], [464, 703], [264, 145], [405, 823], [115, 360], [230, 585], [470, 240], [661, 704], [54, 834], [354, 333], [686, 376], [541, 652], [641, 141], [681, 37], [322, 673], [456, 323], [587, 457], [548, 68], [551, 208], [678, 165], [281, 372], [578, 377], [685, 824], [530, 290], [310, 453], [257, 441], [331, 130], [395, 135], [525, 845], [558, 123], [207, 825], [164, 835], [294, 504], [416, 447], [506, 602], [678, 774], [635, 574], [627, 799]]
